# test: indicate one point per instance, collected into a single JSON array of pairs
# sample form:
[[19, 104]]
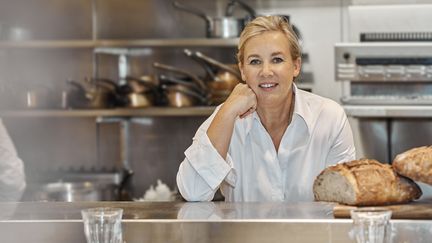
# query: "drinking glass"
[[102, 225], [371, 225]]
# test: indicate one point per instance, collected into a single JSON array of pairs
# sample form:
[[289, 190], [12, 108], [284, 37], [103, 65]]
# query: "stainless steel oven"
[[386, 74]]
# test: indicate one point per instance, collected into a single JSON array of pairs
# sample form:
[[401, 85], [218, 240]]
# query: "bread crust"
[[374, 183], [415, 163]]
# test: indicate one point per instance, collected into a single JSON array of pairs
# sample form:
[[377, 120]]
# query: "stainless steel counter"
[[195, 222]]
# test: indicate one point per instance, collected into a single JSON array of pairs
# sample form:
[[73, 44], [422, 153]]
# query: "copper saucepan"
[[221, 78], [140, 92], [199, 82], [180, 93]]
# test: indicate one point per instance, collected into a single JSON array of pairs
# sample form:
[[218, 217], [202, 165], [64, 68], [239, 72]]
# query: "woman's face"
[[268, 67]]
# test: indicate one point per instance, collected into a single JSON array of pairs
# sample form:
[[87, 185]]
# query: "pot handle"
[[126, 176], [211, 74], [201, 98], [197, 80], [142, 82], [178, 81], [230, 8], [192, 10], [218, 64], [77, 85]]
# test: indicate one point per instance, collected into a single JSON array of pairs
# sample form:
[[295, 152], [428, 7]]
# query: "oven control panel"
[[385, 61]]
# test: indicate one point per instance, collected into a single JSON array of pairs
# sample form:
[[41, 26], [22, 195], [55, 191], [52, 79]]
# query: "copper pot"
[[221, 78], [92, 93], [181, 93], [140, 92], [199, 82]]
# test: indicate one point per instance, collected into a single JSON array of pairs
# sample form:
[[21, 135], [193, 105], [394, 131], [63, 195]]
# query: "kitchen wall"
[[157, 144]]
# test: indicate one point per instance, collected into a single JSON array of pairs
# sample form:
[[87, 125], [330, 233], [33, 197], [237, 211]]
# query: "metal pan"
[[216, 27], [193, 77]]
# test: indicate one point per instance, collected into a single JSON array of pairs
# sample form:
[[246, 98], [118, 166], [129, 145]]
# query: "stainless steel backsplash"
[[157, 146]]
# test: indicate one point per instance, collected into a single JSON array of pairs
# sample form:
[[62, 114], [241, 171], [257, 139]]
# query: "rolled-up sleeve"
[[342, 148], [203, 169]]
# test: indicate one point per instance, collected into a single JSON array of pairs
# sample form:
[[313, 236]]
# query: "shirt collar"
[[302, 110]]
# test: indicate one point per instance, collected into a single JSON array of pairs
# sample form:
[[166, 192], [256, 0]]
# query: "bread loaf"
[[364, 182], [416, 164]]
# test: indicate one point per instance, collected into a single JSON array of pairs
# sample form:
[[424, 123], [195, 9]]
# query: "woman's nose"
[[266, 70]]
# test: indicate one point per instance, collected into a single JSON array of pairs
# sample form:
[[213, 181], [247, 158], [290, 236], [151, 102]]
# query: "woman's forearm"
[[221, 130]]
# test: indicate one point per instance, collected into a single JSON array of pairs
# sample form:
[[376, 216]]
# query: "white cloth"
[[12, 177], [318, 136]]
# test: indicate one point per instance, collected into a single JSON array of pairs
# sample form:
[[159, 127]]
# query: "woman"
[[269, 140]]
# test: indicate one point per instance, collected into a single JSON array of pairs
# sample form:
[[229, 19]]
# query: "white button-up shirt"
[[319, 135]]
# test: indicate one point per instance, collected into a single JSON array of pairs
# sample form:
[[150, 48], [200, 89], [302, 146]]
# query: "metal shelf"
[[105, 46], [54, 44], [144, 112]]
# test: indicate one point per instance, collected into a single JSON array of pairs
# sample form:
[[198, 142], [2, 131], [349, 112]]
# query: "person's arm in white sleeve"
[[342, 148], [207, 163], [12, 177], [203, 169]]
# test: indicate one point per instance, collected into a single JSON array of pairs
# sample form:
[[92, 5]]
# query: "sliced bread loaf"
[[364, 182]]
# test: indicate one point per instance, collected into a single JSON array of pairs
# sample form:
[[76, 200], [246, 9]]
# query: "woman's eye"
[[277, 60], [254, 62]]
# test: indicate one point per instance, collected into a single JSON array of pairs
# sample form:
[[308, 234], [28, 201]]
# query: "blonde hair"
[[268, 23]]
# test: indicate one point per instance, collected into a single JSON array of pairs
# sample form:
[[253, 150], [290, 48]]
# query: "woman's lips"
[[267, 86]]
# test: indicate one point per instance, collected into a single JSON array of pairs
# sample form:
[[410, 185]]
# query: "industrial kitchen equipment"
[[386, 74]]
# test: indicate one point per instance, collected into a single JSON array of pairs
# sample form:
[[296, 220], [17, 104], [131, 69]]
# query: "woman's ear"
[[297, 67], [240, 65]]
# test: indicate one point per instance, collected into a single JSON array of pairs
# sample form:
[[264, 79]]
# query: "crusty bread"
[[416, 164], [364, 182]]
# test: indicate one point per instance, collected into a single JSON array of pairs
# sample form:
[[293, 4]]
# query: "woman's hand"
[[242, 101]]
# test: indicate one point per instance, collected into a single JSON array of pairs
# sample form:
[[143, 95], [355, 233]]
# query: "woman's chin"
[[269, 100]]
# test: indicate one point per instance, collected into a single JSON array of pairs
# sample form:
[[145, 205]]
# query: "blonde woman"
[[269, 140]]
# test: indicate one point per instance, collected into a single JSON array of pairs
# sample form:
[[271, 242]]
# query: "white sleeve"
[[203, 169], [342, 148], [12, 178]]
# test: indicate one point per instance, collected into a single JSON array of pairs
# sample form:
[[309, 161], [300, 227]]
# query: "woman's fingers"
[[242, 100], [248, 112]]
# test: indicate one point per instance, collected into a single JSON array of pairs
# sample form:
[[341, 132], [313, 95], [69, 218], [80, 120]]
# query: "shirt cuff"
[[208, 163]]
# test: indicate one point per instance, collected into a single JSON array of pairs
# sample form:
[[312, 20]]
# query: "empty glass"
[[371, 225], [102, 225]]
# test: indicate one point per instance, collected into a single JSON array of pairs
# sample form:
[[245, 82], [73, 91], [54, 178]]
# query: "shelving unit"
[[106, 46], [123, 49], [124, 113]]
